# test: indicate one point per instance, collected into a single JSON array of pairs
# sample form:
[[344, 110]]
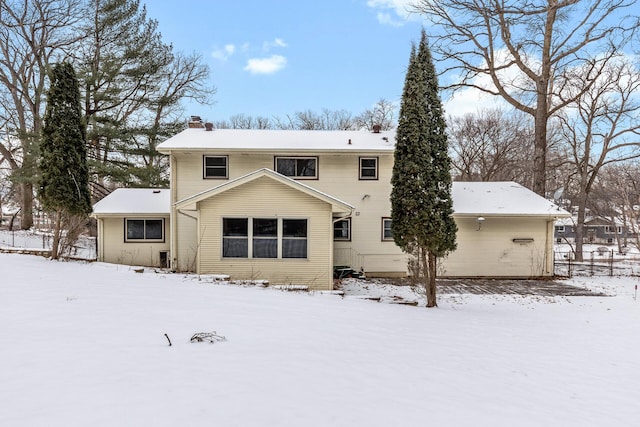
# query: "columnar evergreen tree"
[[421, 205], [64, 177]]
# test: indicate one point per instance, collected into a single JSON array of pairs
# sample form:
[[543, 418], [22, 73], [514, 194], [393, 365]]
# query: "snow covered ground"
[[82, 344]]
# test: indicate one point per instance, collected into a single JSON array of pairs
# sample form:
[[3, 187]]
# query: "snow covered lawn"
[[84, 345]]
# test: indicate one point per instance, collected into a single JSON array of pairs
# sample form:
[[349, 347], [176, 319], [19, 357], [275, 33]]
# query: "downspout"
[[173, 247], [548, 253]]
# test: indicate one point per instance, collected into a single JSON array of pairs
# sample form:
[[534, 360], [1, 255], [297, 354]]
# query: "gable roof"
[[189, 203], [505, 198], [279, 140], [134, 201]]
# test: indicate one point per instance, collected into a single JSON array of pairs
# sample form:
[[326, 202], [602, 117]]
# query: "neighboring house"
[[597, 230], [287, 206]]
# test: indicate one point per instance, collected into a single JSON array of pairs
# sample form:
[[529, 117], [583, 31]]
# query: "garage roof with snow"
[[134, 201]]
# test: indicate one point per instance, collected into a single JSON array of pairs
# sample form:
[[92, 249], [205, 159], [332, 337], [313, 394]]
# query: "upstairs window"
[[559, 228], [216, 167], [144, 230], [297, 167], [368, 168]]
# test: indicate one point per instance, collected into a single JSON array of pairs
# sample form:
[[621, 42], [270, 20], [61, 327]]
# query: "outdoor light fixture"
[[480, 220]]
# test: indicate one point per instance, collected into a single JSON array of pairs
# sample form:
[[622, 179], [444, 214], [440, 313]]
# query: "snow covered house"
[[288, 206]]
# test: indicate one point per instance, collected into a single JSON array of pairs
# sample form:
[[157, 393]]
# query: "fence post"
[[611, 264], [591, 263]]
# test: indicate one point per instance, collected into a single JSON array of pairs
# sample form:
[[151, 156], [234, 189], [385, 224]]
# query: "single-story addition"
[[133, 227], [288, 206]]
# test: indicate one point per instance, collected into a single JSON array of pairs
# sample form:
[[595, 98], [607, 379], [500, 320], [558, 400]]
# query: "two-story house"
[[287, 206]]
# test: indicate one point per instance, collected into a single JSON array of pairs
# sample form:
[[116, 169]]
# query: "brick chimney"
[[376, 128], [195, 122]]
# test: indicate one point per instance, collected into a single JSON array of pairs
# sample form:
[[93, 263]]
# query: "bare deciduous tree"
[[526, 52], [491, 145], [601, 128], [32, 34], [382, 114]]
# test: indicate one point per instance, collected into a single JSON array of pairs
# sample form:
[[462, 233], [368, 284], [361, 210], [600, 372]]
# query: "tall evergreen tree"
[[421, 204], [64, 178]]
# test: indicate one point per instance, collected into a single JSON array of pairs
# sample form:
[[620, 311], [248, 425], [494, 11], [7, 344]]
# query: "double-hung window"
[[368, 168], [215, 167], [264, 238], [342, 229], [144, 230], [387, 234], [297, 167]]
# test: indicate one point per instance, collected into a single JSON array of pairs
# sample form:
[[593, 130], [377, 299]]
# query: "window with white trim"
[[215, 167], [297, 167], [387, 234], [144, 230], [609, 229], [264, 238], [342, 229], [368, 168], [559, 228]]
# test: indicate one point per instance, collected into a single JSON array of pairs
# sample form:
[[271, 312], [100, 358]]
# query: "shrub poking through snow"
[[211, 337]]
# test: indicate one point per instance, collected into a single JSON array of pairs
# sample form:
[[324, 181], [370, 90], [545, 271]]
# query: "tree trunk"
[[26, 213], [540, 146], [430, 280], [55, 246]]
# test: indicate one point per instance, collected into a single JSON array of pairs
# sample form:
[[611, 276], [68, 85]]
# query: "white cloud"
[[386, 19], [269, 65], [400, 8], [277, 42], [224, 53]]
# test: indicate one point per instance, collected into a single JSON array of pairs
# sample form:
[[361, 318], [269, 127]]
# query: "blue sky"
[[276, 57]]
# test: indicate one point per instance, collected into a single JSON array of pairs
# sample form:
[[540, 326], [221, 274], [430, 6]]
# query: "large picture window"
[[297, 167], [264, 238], [144, 230], [216, 167]]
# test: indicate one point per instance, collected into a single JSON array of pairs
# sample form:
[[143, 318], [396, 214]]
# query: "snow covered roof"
[[501, 199], [280, 140], [132, 201]]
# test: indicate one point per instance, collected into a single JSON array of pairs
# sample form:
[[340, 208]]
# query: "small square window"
[[387, 234], [559, 228], [368, 168], [216, 167], [342, 229]]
